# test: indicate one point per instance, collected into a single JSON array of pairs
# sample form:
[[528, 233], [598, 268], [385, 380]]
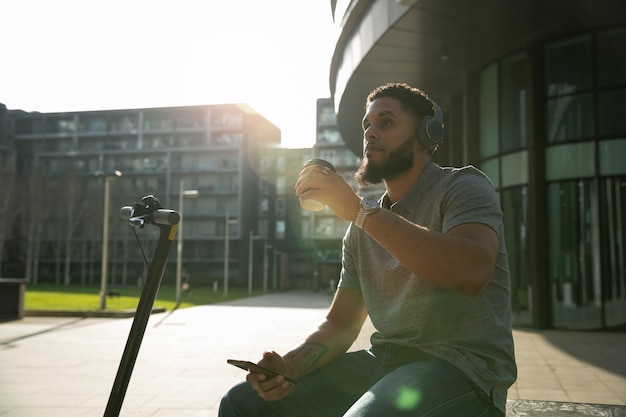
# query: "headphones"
[[430, 129]]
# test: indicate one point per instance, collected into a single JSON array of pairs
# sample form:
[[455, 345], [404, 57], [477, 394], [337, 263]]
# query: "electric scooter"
[[148, 212]]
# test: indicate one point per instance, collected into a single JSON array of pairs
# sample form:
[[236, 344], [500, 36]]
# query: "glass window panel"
[[28, 126], [575, 283], [329, 136], [281, 186], [611, 63], [263, 206], [570, 161], [329, 227], [515, 169], [305, 228], [513, 102], [263, 228], [280, 229], [570, 117], [326, 115], [488, 111], [158, 120], [612, 113], [491, 168], [515, 209], [612, 154], [208, 205], [60, 125], [93, 124], [613, 248], [568, 66]]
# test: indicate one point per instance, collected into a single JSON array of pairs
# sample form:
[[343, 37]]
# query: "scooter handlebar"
[[160, 216]]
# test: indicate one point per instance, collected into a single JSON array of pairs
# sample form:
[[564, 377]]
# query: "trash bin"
[[12, 298]]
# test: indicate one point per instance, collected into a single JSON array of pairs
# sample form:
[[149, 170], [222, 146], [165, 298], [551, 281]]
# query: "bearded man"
[[427, 262]]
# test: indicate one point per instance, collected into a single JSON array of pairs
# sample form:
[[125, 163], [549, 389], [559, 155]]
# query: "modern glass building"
[[534, 94]]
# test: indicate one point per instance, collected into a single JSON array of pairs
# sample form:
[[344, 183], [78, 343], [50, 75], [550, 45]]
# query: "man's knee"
[[237, 400]]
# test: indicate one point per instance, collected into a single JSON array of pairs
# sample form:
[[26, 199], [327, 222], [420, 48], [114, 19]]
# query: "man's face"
[[389, 142]]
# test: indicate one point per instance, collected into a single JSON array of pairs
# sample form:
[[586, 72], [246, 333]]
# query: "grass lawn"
[[86, 297]]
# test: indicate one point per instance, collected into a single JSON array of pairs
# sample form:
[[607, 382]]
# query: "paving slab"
[[65, 366]]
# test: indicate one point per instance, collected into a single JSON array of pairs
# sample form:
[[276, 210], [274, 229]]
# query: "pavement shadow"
[[601, 349], [10, 342], [287, 299]]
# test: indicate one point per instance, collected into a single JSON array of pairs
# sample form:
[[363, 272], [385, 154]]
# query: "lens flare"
[[408, 398]]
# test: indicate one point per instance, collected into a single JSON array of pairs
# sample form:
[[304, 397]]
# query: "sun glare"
[[71, 55]]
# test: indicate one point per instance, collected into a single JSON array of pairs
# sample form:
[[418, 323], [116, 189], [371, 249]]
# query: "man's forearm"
[[307, 357], [321, 348]]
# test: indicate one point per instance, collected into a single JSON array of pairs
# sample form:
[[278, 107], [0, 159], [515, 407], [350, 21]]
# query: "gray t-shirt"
[[472, 333]]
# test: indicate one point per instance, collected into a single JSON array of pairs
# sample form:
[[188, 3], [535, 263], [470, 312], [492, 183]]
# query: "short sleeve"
[[348, 277]]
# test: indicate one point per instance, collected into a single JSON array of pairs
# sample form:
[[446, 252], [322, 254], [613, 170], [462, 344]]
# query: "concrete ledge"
[[530, 408], [119, 314], [12, 298]]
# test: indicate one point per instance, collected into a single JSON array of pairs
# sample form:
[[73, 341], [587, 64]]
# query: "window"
[[488, 111], [60, 125], [570, 161], [516, 172], [586, 212], [513, 103], [611, 64], [568, 82], [327, 116], [329, 136], [158, 120], [612, 113], [568, 66], [281, 207], [281, 186], [263, 206], [613, 243], [124, 123], [515, 207], [280, 229], [94, 124], [576, 284], [612, 157], [569, 118]]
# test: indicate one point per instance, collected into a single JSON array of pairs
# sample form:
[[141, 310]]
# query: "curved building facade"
[[534, 94]]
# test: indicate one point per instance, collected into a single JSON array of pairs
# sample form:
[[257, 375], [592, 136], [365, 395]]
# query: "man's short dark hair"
[[414, 101]]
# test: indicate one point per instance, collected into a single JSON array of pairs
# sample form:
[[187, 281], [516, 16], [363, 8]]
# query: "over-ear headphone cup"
[[430, 132], [430, 129], [434, 130]]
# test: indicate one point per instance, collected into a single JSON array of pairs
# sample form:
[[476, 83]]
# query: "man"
[[427, 262]]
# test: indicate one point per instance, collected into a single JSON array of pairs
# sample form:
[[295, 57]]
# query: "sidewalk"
[[65, 367]]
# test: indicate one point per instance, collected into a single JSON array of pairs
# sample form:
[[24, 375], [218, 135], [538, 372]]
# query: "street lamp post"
[[105, 237], [265, 265], [250, 260], [179, 247], [226, 251], [278, 256]]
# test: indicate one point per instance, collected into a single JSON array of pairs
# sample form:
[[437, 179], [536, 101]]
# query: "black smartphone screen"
[[253, 367]]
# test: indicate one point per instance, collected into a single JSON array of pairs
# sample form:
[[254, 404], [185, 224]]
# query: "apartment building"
[[63, 160]]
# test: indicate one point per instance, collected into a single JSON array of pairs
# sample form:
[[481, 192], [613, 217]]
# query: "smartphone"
[[253, 367]]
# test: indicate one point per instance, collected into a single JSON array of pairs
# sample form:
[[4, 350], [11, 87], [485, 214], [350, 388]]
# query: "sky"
[[78, 55]]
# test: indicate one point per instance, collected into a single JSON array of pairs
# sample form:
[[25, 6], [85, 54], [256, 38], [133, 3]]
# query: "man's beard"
[[372, 173]]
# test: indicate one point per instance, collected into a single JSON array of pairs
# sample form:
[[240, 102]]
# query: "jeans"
[[384, 381]]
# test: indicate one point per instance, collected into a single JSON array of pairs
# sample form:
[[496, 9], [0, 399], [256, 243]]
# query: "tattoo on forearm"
[[307, 355]]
